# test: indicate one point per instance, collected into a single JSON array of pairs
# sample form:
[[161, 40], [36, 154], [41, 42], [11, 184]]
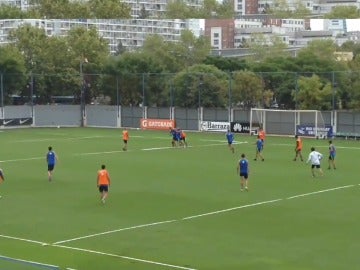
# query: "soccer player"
[[298, 148], [174, 136], [183, 138], [103, 183], [2, 177], [315, 159], [262, 135], [230, 139], [243, 170], [125, 135], [51, 159], [332, 154], [259, 148]]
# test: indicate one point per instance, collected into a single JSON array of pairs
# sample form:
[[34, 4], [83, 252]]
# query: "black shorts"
[[103, 188], [51, 167], [315, 166], [331, 157], [125, 141], [245, 175]]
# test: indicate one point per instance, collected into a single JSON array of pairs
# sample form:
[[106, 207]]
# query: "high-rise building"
[[152, 8], [221, 33], [130, 33]]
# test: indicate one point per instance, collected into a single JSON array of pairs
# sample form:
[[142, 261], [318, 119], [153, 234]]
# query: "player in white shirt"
[[315, 159]]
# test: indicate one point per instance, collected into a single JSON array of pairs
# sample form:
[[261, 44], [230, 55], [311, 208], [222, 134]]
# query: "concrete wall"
[[186, 118]]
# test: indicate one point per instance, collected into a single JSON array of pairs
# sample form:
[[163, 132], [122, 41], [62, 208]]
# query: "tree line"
[[178, 73], [179, 9]]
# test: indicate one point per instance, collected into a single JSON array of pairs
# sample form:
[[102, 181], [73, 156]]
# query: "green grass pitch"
[[176, 208]]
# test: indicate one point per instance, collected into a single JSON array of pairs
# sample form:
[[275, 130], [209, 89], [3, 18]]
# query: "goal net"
[[288, 122]]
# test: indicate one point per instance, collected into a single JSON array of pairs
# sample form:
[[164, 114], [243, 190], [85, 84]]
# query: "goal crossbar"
[[287, 121]]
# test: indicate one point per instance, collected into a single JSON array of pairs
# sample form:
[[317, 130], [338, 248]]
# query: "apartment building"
[[221, 33], [130, 33], [154, 8], [244, 30]]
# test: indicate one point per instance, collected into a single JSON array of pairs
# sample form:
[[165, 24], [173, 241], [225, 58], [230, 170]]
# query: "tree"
[[178, 9], [266, 46], [174, 56], [281, 9], [67, 9], [86, 44], [120, 49], [247, 89], [11, 12], [350, 46], [211, 9], [201, 85], [12, 69], [226, 64], [144, 14], [138, 77], [110, 9], [55, 61], [343, 12], [313, 94]]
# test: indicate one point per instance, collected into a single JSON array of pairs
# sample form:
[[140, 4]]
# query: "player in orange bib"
[[261, 135], [298, 148], [125, 139], [103, 182], [183, 138]]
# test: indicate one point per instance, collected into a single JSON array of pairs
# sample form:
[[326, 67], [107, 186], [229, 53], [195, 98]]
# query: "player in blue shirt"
[[243, 171], [175, 136], [230, 139], [51, 160], [332, 154], [259, 147]]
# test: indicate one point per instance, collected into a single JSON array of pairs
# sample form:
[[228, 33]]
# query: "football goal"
[[289, 122]]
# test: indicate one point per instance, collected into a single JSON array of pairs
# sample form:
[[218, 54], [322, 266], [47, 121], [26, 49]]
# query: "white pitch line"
[[125, 257], [200, 215], [157, 148], [23, 239], [21, 159], [99, 153], [112, 231], [317, 192], [231, 209], [57, 244]]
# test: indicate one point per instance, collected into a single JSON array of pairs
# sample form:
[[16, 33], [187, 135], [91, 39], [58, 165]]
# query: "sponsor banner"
[[214, 126], [16, 122], [310, 130], [240, 127], [156, 123]]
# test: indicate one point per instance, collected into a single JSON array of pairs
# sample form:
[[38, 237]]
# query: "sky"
[[352, 24]]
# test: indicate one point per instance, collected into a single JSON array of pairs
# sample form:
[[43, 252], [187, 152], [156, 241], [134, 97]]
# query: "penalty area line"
[[231, 209], [113, 231], [22, 239], [125, 257], [317, 192], [202, 215]]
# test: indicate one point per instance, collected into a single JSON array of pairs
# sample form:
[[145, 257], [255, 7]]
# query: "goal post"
[[289, 122]]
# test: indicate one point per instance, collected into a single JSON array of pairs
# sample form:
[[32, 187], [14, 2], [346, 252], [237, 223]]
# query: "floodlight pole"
[[82, 93]]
